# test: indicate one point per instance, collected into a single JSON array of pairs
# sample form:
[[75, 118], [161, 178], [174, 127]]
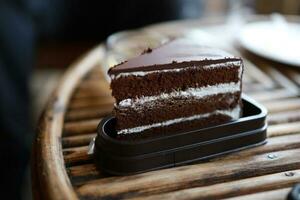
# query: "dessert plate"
[[121, 157], [277, 40]]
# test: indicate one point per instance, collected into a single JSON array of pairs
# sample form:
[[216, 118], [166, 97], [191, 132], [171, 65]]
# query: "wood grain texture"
[[83, 173], [79, 127], [284, 117], [233, 188], [292, 74], [283, 105], [279, 194], [76, 156], [281, 80], [258, 75], [274, 144], [77, 140], [49, 166], [91, 103], [87, 113], [170, 180], [284, 129], [62, 169], [270, 95]]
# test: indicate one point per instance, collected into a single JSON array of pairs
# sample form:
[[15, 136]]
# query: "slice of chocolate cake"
[[176, 87]]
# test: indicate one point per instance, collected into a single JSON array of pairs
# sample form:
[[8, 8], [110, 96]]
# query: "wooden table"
[[62, 169]]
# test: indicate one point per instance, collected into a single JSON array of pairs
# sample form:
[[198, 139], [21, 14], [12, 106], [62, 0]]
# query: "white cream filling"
[[190, 92], [144, 73], [233, 113]]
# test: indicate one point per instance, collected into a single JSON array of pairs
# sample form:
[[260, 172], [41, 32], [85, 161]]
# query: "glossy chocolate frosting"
[[178, 53]]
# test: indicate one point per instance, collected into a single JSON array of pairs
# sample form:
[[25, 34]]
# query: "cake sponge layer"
[[153, 83], [172, 108], [159, 130]]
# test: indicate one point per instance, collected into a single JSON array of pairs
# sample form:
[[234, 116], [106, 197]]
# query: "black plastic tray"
[[121, 157]]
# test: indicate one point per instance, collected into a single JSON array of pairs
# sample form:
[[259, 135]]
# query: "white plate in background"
[[276, 40]]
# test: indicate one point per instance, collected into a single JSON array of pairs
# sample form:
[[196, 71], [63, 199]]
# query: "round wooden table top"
[[62, 169]]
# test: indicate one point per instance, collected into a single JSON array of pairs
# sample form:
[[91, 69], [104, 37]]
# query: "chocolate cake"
[[176, 87]]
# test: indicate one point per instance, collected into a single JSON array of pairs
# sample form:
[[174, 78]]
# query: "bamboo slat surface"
[[62, 169]]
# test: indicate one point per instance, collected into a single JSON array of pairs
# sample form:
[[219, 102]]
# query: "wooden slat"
[[81, 127], [89, 93], [96, 85], [91, 103], [234, 188], [284, 117], [280, 143], [281, 80], [284, 129], [271, 94], [94, 88], [280, 194], [77, 140], [83, 173], [87, 113], [191, 176], [282, 105], [77, 156], [83, 170], [258, 75], [293, 74], [255, 87]]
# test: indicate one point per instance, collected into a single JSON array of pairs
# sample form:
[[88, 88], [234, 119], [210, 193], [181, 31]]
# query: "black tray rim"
[[259, 133], [197, 144]]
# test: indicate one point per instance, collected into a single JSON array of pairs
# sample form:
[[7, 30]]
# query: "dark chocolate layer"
[[169, 109], [156, 83], [212, 120], [174, 54]]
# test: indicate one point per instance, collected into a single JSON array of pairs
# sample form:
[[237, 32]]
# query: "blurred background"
[[40, 39]]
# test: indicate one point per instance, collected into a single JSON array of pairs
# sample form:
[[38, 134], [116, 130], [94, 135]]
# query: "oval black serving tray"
[[121, 157]]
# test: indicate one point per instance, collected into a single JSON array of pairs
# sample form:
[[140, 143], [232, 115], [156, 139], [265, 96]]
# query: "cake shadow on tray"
[[176, 104]]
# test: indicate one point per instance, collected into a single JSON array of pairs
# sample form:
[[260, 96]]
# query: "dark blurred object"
[[17, 38], [83, 24], [295, 193], [287, 7], [95, 20]]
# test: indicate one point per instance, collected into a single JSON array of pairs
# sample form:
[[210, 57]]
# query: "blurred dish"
[[276, 40], [128, 44]]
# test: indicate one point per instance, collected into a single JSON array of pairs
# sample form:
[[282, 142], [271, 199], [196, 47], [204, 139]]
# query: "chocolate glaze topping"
[[178, 53]]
